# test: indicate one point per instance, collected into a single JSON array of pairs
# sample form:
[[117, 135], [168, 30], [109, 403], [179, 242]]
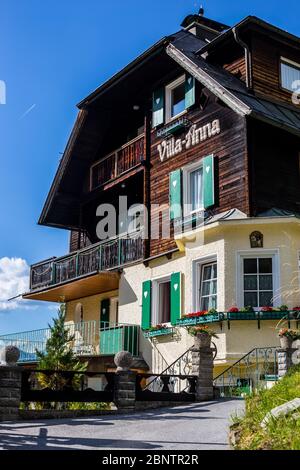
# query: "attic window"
[[175, 98], [290, 74]]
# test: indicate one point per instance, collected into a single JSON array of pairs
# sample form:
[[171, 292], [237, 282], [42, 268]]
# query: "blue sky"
[[52, 54]]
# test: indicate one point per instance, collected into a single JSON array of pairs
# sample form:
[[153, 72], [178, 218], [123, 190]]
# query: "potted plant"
[[287, 337], [202, 335]]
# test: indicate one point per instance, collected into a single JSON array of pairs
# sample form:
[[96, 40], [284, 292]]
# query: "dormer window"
[[175, 98], [172, 100], [290, 74]]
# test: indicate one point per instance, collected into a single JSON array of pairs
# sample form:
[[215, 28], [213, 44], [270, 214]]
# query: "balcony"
[[117, 163], [87, 340], [85, 268]]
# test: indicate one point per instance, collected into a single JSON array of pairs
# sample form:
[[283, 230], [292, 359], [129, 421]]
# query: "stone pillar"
[[10, 384], [125, 382], [285, 361], [203, 364]]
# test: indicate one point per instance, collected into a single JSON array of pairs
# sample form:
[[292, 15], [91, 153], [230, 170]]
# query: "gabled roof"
[[183, 47], [233, 91], [248, 21]]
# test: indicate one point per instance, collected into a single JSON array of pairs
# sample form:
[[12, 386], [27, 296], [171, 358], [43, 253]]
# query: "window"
[[161, 312], [78, 314], [175, 98], [290, 73], [193, 188], [208, 286], [258, 282]]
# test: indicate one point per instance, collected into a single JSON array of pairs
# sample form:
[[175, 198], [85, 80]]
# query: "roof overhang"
[[197, 235], [93, 284], [249, 21], [210, 83]]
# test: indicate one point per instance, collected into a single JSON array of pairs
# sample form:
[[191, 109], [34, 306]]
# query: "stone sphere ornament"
[[10, 355], [123, 361]]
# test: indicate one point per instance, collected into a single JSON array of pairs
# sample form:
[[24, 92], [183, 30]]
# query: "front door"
[[104, 313]]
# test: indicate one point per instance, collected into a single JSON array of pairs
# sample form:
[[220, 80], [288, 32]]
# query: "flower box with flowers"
[[264, 313], [199, 318], [272, 313], [246, 313], [158, 330]]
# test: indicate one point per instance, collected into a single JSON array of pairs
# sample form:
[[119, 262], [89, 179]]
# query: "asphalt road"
[[198, 426]]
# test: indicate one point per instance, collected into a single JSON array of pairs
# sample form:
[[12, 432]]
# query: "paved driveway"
[[197, 426]]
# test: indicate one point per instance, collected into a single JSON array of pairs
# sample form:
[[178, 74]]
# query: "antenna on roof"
[[201, 11]]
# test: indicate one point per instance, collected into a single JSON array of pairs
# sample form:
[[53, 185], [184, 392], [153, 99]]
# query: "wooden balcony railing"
[[117, 163], [99, 257]]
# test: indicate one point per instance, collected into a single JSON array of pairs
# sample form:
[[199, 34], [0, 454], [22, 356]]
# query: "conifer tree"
[[58, 354]]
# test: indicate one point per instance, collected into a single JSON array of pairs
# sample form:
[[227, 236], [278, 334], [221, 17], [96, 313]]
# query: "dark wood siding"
[[78, 240], [274, 157], [237, 67], [266, 55], [230, 150]]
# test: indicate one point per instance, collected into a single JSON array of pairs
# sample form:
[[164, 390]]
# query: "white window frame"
[[197, 277], [201, 283], [155, 299], [294, 65], [186, 172], [259, 253], [168, 92]]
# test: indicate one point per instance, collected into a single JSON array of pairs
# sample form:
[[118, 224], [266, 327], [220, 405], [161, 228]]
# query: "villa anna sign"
[[171, 147]]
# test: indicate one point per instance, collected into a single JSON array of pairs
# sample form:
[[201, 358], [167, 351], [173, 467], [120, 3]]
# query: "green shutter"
[[158, 107], [209, 181], [146, 305], [175, 297], [175, 194], [104, 313], [190, 93]]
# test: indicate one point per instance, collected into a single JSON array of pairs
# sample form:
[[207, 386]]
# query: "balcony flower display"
[[158, 328], [196, 314], [200, 314], [287, 337], [296, 309], [233, 310], [203, 335]]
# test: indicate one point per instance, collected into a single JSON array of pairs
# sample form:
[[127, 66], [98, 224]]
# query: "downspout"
[[248, 58]]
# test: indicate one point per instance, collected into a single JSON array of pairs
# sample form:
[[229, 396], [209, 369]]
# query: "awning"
[[96, 283]]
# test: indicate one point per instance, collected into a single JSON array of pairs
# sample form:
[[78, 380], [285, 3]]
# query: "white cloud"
[[14, 280]]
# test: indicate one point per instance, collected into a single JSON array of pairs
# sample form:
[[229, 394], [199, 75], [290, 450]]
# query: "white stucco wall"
[[223, 243]]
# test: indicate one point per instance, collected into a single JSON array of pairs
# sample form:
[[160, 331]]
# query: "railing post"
[[285, 360], [203, 364], [125, 382], [10, 384]]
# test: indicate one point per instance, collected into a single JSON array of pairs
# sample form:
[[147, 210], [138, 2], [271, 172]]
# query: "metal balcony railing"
[[87, 340], [102, 256]]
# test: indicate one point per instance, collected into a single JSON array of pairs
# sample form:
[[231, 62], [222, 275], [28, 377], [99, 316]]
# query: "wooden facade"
[[230, 152], [123, 159]]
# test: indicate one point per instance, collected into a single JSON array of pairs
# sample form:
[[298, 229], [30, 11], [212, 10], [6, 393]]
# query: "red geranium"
[[233, 310], [297, 309], [266, 309], [196, 314]]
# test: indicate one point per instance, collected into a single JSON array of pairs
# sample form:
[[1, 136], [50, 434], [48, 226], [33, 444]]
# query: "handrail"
[[242, 359], [169, 367]]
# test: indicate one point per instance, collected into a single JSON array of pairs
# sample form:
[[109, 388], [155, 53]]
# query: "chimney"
[[202, 27]]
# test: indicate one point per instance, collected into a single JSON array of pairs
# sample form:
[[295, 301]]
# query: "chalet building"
[[203, 131]]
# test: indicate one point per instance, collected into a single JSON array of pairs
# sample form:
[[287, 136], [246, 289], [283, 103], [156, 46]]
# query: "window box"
[[174, 127], [155, 333], [192, 321], [242, 315], [273, 315]]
